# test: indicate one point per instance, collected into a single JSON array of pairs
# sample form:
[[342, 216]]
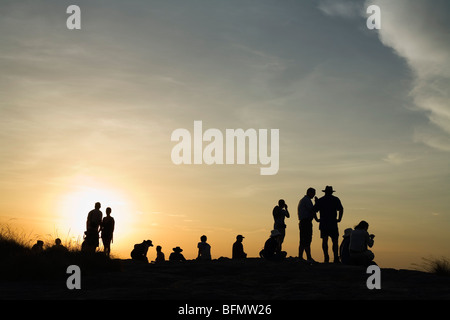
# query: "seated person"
[[176, 255], [139, 253], [238, 249], [159, 254], [204, 249], [344, 249]]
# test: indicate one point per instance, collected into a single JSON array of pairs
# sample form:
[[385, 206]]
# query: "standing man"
[[94, 218], [279, 213], [93, 223], [306, 214], [329, 206]]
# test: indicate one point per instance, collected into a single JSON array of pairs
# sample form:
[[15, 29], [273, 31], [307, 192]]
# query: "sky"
[[87, 115]]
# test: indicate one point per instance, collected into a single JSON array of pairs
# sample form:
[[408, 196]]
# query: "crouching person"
[[271, 249], [360, 240]]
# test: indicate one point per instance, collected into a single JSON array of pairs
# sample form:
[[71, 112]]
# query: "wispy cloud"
[[419, 33], [397, 158], [340, 8]]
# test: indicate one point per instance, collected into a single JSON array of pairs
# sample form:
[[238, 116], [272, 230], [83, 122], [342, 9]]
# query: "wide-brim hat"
[[148, 242], [328, 189], [275, 233], [177, 249]]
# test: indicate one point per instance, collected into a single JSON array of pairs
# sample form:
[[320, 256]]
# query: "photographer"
[[280, 212], [359, 241]]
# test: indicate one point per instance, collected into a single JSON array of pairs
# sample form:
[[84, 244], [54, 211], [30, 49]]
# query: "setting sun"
[[74, 206]]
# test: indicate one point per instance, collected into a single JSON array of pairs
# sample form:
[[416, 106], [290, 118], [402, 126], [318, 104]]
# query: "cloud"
[[418, 32], [433, 137], [344, 9], [397, 158]]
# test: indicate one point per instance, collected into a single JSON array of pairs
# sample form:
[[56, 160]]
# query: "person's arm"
[[112, 231], [287, 212], [370, 240], [316, 209], [87, 220], [340, 210], [315, 217], [341, 213]]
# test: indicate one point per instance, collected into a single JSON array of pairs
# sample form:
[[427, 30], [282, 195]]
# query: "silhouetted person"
[[204, 249], [344, 249], [306, 214], [107, 230], [93, 223], [94, 218], [271, 249], [279, 213], [329, 206], [38, 247], [238, 248], [359, 241], [58, 246], [176, 255], [139, 252], [159, 255]]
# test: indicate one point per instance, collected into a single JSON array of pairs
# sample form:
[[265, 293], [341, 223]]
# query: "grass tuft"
[[19, 262], [438, 266]]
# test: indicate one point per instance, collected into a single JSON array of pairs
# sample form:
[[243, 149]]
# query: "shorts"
[[332, 233], [306, 231]]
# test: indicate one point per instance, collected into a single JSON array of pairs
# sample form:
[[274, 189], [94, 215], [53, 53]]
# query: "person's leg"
[[309, 231], [283, 234], [335, 248], [325, 249], [107, 246], [301, 246], [300, 251], [308, 253]]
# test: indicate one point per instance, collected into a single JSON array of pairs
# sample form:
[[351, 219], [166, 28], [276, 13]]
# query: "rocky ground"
[[252, 279]]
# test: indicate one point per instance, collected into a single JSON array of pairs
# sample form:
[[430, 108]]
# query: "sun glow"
[[75, 205]]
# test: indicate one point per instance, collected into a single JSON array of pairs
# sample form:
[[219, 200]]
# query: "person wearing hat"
[[139, 252], [176, 255], [238, 248], [272, 249], [329, 206], [344, 249]]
